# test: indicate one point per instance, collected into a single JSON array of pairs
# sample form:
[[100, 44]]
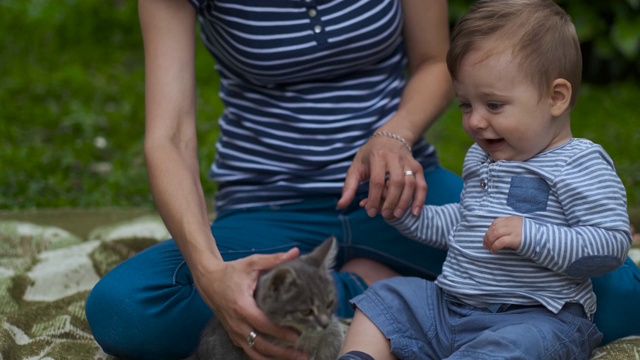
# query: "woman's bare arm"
[[168, 29], [427, 93]]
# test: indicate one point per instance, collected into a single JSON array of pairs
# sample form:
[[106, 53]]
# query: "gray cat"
[[299, 294]]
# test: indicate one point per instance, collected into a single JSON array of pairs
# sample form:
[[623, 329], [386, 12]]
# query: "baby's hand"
[[504, 233]]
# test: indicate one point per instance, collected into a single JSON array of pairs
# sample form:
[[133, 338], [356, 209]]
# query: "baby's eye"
[[494, 106], [465, 106]]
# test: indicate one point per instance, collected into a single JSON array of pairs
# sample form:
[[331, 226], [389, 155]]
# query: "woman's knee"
[[145, 322], [618, 293], [103, 316], [147, 307]]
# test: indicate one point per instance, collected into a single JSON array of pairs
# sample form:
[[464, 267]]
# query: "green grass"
[[72, 109], [72, 105]]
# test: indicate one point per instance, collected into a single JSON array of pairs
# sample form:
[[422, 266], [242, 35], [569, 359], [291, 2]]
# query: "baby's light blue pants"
[[422, 321]]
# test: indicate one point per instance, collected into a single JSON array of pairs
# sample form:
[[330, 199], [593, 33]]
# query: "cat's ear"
[[325, 254], [281, 278]]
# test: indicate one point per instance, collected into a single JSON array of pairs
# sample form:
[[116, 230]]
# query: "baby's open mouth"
[[493, 141]]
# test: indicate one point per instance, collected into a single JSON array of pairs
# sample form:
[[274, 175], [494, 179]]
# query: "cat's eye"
[[330, 304], [306, 312]]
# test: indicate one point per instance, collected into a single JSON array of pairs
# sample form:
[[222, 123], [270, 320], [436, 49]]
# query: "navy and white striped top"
[[304, 84], [575, 227]]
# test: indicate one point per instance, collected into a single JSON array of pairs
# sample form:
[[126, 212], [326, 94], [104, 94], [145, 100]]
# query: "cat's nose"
[[324, 321]]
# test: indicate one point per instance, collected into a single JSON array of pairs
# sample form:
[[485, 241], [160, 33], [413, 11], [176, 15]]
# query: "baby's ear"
[[561, 91]]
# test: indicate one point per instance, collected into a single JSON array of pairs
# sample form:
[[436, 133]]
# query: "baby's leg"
[[365, 339], [527, 333], [401, 317]]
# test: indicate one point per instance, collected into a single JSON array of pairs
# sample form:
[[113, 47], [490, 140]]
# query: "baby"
[[541, 212]]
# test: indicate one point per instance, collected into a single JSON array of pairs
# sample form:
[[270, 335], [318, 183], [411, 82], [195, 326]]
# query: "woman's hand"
[[228, 289], [427, 93], [396, 179], [168, 29]]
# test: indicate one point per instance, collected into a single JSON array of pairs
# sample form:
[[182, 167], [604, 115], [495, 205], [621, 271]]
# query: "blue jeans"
[[148, 308], [420, 319], [618, 297]]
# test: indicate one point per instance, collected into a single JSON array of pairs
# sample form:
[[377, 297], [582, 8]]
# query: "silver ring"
[[251, 339], [409, 172]]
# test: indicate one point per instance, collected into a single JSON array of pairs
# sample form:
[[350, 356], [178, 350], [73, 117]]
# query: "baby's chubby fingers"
[[504, 232]]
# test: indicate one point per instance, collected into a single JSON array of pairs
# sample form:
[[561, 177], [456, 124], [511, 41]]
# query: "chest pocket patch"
[[528, 194]]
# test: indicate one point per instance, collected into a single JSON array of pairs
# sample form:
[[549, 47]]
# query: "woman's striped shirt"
[[304, 85], [575, 227]]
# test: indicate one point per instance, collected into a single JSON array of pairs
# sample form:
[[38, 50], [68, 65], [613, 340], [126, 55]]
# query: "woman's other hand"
[[228, 287], [383, 160], [396, 179]]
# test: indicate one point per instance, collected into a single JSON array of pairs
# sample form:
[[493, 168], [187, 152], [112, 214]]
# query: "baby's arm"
[[432, 226], [598, 236]]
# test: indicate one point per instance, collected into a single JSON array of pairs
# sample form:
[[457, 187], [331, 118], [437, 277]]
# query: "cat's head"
[[301, 293]]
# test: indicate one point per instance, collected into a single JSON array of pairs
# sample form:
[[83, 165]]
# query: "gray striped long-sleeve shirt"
[[575, 226]]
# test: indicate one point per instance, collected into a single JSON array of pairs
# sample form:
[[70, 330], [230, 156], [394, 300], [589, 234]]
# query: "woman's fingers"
[[378, 168], [406, 188], [419, 193], [396, 179]]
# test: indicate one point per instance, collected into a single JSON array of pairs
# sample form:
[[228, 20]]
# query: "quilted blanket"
[[46, 273]]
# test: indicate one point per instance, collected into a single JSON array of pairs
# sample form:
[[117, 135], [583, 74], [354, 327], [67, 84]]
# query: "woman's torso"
[[304, 84]]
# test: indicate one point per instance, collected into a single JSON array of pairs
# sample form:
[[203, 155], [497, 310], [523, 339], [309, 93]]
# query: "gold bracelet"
[[393, 136]]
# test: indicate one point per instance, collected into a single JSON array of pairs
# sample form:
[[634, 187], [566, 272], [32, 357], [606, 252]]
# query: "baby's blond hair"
[[538, 33]]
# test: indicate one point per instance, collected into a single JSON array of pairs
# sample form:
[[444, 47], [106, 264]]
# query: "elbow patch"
[[590, 266]]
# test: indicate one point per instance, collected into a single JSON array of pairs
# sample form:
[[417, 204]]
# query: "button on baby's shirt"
[[483, 184], [312, 12], [317, 29]]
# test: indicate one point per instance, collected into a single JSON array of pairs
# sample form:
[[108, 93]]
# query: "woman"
[[318, 115]]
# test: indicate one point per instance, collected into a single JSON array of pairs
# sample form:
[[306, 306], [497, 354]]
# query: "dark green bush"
[[72, 101]]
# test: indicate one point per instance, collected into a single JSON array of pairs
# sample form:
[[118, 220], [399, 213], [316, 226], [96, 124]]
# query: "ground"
[[49, 261]]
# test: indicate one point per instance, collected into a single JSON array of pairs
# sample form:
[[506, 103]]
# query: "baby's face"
[[502, 111]]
